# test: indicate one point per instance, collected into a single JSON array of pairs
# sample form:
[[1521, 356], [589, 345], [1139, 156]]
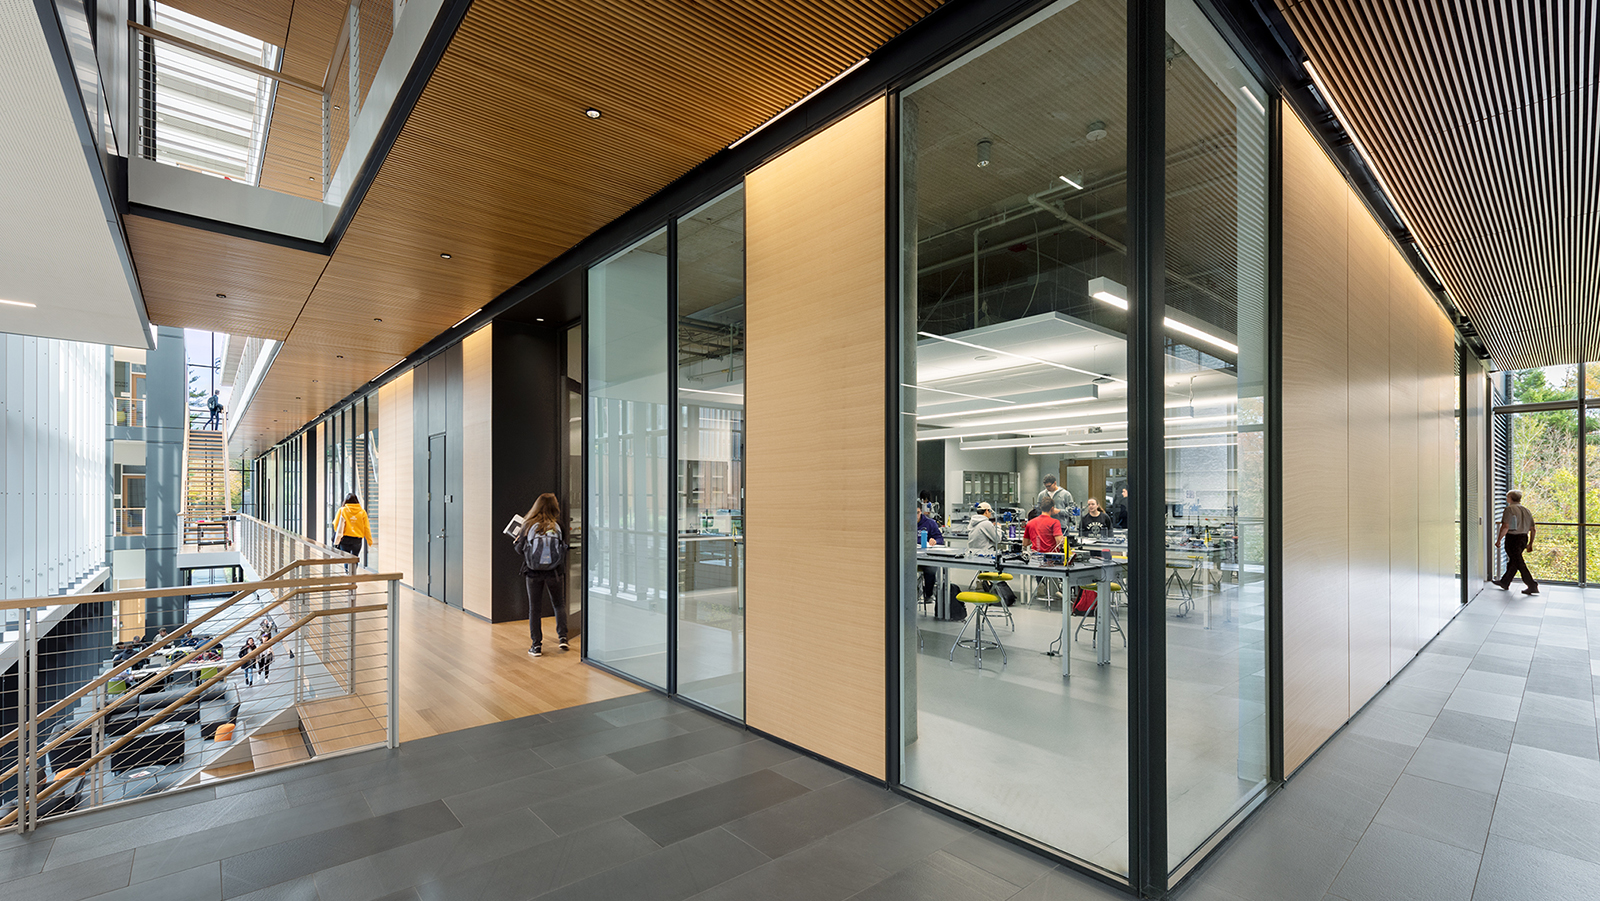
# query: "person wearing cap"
[[1060, 499], [983, 536]]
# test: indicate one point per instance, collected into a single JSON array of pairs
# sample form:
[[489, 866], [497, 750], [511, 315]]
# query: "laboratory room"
[[1014, 189]]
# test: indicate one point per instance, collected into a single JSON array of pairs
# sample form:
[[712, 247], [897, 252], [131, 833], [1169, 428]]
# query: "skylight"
[[209, 116]]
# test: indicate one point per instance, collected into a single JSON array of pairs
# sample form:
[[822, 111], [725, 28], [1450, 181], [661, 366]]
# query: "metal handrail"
[[134, 691], [161, 715], [246, 589], [221, 57]]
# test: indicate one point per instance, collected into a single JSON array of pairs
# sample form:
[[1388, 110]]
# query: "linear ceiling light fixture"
[[1245, 90], [1007, 353], [785, 111], [20, 303], [1116, 294], [1070, 182], [998, 400], [1092, 393]]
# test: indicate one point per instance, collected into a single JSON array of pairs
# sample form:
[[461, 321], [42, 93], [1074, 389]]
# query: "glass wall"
[[1014, 233], [1552, 460], [1216, 363], [629, 487], [710, 462]]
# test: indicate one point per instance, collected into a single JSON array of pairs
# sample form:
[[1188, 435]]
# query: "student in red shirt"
[[1044, 535], [1044, 531]]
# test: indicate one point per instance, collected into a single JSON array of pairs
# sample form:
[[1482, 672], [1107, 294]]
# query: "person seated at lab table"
[[1044, 535], [983, 536], [1095, 523], [929, 575]]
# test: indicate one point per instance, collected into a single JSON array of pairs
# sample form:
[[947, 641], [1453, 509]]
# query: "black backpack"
[[543, 551]]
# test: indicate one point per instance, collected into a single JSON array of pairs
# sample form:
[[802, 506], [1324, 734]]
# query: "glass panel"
[[629, 487], [1216, 295], [1537, 386], [371, 498], [1544, 467], [711, 454], [574, 499], [1014, 196]]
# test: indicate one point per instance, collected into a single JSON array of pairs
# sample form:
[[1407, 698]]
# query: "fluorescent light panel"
[[1007, 353], [1116, 294]]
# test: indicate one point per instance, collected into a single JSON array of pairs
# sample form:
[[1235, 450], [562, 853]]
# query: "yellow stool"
[[981, 601], [988, 579]]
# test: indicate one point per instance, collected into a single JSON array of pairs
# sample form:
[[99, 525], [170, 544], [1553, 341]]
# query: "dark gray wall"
[[530, 400], [436, 409], [166, 418]]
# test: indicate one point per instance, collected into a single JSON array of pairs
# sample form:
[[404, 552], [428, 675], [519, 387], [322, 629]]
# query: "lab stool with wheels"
[[980, 602]]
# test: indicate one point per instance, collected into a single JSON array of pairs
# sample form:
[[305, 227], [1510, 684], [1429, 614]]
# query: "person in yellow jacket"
[[350, 526]]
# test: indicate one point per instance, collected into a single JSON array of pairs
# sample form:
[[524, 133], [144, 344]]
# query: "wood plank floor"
[[457, 671]]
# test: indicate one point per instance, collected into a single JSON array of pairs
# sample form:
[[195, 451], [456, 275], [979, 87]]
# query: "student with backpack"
[[544, 566]]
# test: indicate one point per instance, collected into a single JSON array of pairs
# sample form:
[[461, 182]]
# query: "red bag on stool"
[[1085, 602]]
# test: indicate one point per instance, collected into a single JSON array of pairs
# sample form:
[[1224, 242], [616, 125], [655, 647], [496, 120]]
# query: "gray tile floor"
[[1475, 775]]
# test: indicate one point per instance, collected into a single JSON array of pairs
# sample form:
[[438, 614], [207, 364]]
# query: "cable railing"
[[155, 690]]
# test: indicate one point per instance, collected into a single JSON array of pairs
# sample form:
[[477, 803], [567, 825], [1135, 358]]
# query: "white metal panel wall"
[[53, 468]]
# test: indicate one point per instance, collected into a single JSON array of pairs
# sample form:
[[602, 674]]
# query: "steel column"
[[1147, 641]]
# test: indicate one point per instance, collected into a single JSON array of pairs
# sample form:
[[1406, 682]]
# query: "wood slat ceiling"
[[293, 161], [182, 270], [499, 167], [1481, 117], [266, 20]]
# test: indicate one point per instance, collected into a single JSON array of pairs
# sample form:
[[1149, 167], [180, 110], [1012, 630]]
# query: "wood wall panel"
[[1368, 453], [395, 467], [1315, 524], [477, 483], [815, 416], [1400, 505], [182, 270]]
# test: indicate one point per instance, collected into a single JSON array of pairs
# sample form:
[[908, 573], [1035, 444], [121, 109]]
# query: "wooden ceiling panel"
[[1482, 120], [265, 20], [498, 166], [303, 382], [182, 269], [293, 159]]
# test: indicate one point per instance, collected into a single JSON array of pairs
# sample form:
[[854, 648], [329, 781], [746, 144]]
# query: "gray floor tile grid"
[[1474, 775], [637, 797]]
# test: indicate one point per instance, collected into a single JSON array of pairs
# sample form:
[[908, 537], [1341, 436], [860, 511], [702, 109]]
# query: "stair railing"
[[117, 731]]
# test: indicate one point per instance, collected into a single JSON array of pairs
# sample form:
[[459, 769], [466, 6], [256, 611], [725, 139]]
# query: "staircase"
[[205, 488]]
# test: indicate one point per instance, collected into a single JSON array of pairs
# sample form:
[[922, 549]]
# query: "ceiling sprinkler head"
[[1097, 130], [983, 152]]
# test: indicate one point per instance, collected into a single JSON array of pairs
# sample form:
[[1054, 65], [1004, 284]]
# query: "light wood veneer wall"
[[815, 436], [477, 478], [1368, 453], [395, 462]]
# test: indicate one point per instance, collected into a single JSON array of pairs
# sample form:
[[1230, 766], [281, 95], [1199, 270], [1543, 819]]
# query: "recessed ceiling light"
[[311, 177], [222, 297], [313, 381], [984, 357], [336, 106], [592, 113], [338, 356], [19, 303], [376, 319], [444, 256], [539, 319]]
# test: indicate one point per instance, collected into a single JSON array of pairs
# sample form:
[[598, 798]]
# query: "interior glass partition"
[[1216, 365], [710, 458], [629, 486], [1549, 429], [1014, 191]]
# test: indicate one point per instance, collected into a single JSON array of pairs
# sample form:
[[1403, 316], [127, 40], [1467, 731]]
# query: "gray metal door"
[[438, 535]]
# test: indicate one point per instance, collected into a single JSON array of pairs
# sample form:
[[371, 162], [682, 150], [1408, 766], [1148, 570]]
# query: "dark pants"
[[1515, 565], [351, 544], [555, 581]]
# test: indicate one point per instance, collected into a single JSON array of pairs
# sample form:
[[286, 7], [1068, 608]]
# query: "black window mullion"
[[673, 488], [1147, 641]]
